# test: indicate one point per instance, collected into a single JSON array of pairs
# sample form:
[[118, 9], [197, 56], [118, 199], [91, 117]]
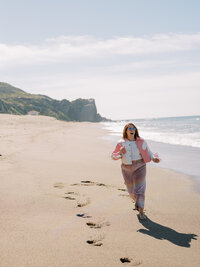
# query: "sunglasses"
[[132, 128]]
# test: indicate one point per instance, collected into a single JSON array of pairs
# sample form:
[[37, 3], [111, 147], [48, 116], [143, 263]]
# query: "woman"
[[134, 154]]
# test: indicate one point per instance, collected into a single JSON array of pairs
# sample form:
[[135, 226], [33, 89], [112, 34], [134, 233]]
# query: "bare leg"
[[141, 210], [133, 196], [141, 214]]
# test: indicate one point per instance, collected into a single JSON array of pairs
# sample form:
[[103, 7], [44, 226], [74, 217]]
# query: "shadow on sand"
[[165, 233]]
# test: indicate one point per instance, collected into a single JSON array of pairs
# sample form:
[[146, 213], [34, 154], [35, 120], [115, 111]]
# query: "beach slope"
[[63, 202]]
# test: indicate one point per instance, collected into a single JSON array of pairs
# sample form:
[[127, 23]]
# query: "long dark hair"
[[125, 136]]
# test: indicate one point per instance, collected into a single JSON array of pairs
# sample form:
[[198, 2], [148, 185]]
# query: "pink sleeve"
[[116, 153]]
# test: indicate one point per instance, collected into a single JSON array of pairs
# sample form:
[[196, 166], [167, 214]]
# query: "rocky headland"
[[16, 101]]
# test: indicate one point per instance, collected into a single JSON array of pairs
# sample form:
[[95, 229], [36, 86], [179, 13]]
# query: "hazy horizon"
[[196, 115]]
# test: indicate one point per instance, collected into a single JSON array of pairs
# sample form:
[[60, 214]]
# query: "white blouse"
[[135, 153]]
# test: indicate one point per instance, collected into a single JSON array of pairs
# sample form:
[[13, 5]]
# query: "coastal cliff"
[[16, 101]]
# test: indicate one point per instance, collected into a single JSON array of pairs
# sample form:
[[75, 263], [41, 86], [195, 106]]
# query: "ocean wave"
[[192, 140], [179, 133]]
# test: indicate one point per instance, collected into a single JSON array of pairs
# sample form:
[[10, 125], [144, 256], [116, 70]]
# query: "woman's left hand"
[[156, 160]]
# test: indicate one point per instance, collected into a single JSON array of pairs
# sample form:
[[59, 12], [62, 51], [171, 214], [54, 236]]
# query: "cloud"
[[69, 48], [120, 73]]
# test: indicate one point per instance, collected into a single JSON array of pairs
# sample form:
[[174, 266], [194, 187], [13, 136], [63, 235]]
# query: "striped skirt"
[[135, 180]]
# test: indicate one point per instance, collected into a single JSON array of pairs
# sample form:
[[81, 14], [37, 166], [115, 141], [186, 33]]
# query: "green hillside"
[[16, 101]]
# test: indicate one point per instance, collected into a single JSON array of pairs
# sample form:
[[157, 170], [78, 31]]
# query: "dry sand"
[[52, 171]]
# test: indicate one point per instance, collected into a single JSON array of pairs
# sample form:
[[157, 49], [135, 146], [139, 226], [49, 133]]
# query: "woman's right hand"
[[122, 150], [156, 160]]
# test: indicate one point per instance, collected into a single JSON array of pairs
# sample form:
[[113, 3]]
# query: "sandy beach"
[[63, 202]]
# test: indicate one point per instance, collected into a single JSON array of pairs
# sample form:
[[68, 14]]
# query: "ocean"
[[175, 139]]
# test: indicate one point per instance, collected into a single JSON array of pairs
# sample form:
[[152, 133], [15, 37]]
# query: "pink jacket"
[[141, 145]]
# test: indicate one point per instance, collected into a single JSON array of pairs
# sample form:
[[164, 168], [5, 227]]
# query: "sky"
[[136, 58]]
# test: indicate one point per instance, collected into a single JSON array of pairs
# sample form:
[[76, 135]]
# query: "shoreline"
[[62, 195]]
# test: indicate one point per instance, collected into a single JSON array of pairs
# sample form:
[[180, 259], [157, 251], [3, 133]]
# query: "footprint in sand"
[[130, 260], [70, 198], [123, 260], [83, 215], [96, 240], [98, 224], [71, 193], [123, 195], [122, 189], [89, 183], [59, 185], [83, 202], [94, 243]]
